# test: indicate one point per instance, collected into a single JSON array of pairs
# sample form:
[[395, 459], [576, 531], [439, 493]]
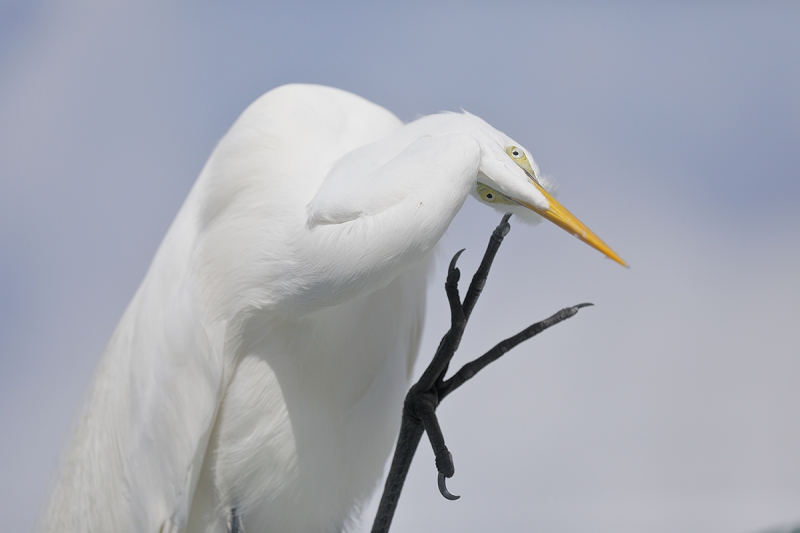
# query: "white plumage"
[[262, 363]]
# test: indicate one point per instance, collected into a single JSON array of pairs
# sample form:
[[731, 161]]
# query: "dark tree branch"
[[419, 408], [473, 367], [410, 435], [482, 274], [449, 344], [236, 526]]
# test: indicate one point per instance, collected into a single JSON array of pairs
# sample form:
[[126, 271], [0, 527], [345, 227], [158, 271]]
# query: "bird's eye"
[[488, 194], [516, 153]]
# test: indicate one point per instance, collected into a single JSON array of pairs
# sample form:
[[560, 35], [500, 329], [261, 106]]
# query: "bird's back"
[[212, 381]]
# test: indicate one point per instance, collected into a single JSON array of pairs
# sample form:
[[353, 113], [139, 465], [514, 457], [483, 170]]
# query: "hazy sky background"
[[672, 131]]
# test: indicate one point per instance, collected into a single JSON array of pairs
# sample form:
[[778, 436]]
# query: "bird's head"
[[509, 180]]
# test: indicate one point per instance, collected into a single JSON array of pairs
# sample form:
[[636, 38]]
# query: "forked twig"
[[419, 408]]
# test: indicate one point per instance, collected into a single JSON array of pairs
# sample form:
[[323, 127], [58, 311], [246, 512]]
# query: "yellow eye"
[[490, 195], [516, 153], [519, 157]]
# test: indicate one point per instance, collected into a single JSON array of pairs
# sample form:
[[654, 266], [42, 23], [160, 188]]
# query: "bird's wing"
[[140, 442], [181, 377], [364, 184]]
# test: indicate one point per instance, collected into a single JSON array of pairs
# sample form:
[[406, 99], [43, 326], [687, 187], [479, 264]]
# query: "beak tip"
[[619, 260]]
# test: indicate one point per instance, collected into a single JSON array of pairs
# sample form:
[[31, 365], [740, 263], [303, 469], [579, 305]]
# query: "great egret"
[[263, 361]]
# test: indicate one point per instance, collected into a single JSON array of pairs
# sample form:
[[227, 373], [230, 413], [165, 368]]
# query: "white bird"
[[261, 366]]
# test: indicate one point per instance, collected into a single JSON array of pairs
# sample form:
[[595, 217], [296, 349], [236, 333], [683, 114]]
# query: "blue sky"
[[671, 130]]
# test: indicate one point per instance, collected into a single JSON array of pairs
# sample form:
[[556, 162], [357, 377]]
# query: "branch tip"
[[504, 227]]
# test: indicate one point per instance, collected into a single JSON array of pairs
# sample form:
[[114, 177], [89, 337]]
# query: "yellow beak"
[[561, 217]]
